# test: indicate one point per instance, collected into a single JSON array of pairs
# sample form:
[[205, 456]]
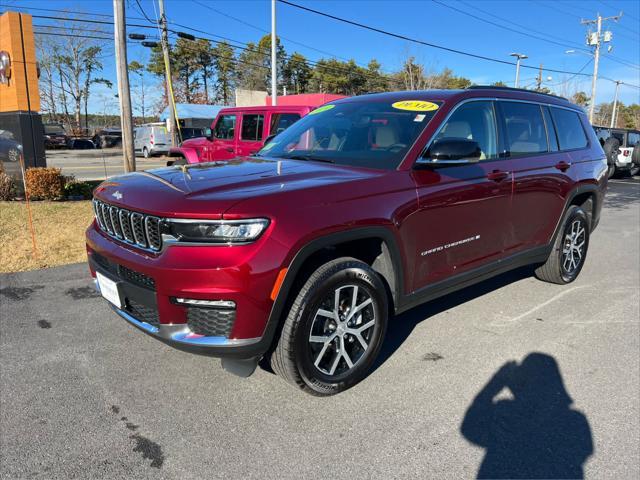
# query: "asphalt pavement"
[[96, 164], [84, 395]]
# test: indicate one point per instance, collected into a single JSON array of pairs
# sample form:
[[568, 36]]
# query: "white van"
[[151, 139]]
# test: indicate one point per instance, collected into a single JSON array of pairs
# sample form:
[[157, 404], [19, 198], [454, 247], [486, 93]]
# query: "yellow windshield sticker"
[[322, 109], [415, 106]]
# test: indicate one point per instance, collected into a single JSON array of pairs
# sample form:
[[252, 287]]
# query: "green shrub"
[[45, 183], [75, 188]]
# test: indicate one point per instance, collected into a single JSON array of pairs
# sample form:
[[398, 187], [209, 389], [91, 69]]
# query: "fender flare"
[[579, 190], [189, 154], [383, 233]]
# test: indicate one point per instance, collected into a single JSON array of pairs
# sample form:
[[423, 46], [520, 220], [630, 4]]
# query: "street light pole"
[[519, 56], [274, 65], [124, 94], [615, 105]]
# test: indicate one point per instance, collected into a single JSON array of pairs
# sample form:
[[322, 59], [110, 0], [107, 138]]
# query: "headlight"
[[217, 231]]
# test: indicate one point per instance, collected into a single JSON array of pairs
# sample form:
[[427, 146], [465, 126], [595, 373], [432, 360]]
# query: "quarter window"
[[571, 135], [474, 121], [225, 127], [252, 127], [281, 121], [526, 133]]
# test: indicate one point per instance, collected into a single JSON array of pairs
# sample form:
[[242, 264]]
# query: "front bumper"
[[150, 284]]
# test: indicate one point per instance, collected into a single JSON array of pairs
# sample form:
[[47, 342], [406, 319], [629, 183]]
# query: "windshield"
[[361, 134]]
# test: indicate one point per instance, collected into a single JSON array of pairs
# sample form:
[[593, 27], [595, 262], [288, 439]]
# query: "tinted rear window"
[[571, 135]]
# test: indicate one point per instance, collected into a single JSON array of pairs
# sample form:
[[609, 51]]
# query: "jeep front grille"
[[130, 227]]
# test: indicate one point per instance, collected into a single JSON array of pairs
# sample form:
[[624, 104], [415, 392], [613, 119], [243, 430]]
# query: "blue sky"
[[557, 21]]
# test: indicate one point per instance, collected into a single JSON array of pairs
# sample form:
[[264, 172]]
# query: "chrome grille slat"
[[130, 227], [125, 224], [137, 225], [115, 221]]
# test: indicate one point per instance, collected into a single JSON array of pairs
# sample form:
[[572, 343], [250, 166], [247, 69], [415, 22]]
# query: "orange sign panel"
[[19, 90]]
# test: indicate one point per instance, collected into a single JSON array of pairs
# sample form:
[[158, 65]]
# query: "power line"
[[504, 27], [612, 58], [15, 7], [422, 42], [265, 30], [141, 10], [74, 35]]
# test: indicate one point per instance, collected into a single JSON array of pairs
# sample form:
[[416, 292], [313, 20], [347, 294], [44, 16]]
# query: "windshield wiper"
[[308, 157]]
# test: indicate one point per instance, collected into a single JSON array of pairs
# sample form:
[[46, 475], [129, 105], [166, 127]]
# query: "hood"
[[208, 190]]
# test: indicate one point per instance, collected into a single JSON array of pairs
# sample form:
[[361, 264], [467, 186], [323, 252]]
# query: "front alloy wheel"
[[341, 330], [334, 329]]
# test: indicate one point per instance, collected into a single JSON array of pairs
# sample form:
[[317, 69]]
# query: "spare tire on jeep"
[[610, 147], [635, 160]]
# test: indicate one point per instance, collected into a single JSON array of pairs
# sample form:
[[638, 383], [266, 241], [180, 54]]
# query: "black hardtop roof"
[[460, 94]]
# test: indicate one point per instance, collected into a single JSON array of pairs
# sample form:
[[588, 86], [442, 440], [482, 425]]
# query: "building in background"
[[20, 121]]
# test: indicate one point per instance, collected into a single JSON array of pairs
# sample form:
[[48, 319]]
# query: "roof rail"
[[496, 87]]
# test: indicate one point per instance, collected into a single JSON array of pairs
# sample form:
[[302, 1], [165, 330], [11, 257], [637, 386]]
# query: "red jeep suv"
[[303, 253]]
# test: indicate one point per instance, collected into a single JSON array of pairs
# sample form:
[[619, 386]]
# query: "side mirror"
[[269, 138], [451, 151]]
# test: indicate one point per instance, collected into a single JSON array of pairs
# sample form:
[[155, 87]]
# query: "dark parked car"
[[362, 209], [9, 147], [80, 144], [108, 138], [55, 136]]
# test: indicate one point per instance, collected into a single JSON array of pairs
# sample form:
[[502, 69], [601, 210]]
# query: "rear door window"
[[571, 135], [252, 127], [526, 133], [225, 127], [281, 121]]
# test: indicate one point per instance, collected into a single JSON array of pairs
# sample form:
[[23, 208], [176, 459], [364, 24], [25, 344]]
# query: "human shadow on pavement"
[[533, 434]]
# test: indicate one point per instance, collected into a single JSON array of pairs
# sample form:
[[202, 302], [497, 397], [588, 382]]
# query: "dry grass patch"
[[59, 228]]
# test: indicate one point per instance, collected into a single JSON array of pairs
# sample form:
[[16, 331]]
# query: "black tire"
[[293, 358], [635, 159], [555, 270], [145, 152], [178, 161], [611, 147]]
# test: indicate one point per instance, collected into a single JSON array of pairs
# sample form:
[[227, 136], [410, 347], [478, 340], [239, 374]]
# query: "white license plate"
[[109, 289]]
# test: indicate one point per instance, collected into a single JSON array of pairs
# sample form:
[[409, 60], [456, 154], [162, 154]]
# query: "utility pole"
[[615, 105], [124, 94], [274, 64], [167, 69], [519, 57], [594, 39], [539, 79]]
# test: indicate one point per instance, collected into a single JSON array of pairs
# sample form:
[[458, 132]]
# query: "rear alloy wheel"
[[145, 152], [569, 249], [334, 330]]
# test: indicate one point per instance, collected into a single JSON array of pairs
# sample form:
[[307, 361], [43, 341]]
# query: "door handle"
[[497, 175], [563, 166], [229, 149]]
